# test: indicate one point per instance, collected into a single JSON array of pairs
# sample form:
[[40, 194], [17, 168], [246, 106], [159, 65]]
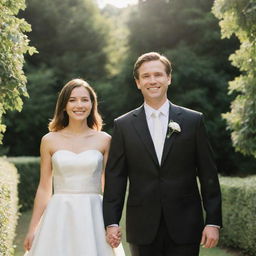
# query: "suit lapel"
[[174, 115], [141, 127]]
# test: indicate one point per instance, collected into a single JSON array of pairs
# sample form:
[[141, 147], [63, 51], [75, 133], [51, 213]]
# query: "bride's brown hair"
[[61, 119]]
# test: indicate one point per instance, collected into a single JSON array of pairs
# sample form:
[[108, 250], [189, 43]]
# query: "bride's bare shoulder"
[[103, 135], [50, 138]]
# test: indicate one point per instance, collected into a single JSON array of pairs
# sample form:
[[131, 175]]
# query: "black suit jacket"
[[170, 189]]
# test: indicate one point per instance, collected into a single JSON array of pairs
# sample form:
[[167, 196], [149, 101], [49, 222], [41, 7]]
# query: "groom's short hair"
[[151, 56]]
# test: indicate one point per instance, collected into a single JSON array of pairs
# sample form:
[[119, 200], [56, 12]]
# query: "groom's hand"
[[210, 237], [113, 236]]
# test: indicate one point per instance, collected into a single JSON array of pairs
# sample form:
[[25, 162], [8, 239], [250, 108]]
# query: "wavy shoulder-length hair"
[[60, 119]]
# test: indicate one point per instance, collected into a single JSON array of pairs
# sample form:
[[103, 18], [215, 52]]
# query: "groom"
[[162, 149]]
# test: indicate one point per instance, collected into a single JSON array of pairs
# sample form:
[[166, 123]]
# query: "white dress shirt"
[[164, 117]]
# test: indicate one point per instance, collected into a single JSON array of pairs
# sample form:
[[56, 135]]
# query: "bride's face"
[[79, 105]]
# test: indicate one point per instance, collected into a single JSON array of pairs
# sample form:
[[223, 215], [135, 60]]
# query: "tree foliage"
[[239, 18], [32, 122], [71, 36], [13, 45]]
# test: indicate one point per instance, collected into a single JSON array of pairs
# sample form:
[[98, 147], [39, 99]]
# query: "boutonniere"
[[173, 127]]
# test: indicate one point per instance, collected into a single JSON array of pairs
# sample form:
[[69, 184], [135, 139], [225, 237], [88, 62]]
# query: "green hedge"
[[28, 168], [239, 213], [238, 194], [8, 206]]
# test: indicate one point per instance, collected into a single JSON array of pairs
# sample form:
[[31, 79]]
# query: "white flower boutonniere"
[[173, 127]]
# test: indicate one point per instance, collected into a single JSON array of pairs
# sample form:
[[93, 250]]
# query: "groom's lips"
[[154, 88]]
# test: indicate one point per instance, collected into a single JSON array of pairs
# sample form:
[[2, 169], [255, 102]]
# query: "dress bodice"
[[77, 173]]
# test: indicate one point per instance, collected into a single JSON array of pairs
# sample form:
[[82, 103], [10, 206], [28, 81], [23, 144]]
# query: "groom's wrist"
[[211, 225], [112, 225]]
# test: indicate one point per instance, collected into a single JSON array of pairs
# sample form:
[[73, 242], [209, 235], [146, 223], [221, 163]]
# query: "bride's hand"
[[28, 241]]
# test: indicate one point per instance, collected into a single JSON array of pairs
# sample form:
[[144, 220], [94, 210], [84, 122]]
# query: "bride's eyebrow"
[[83, 97]]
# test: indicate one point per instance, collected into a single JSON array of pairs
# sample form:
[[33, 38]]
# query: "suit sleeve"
[[208, 177], [115, 179]]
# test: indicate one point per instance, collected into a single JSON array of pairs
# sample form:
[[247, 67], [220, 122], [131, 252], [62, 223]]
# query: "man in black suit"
[[162, 149]]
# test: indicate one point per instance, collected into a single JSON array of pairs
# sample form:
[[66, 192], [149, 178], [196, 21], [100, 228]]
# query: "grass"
[[25, 218], [215, 252]]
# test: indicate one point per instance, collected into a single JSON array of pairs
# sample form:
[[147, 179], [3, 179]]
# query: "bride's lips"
[[79, 112]]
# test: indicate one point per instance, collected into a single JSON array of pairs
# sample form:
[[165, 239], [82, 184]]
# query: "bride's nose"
[[79, 103]]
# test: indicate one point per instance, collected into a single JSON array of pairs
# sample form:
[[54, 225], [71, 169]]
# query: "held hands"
[[210, 237], [28, 241], [113, 236]]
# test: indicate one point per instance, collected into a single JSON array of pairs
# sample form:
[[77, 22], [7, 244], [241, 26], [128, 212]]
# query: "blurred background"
[[99, 41]]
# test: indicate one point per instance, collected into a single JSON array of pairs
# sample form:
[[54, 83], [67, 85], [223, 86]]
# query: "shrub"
[[28, 168], [8, 206], [239, 213]]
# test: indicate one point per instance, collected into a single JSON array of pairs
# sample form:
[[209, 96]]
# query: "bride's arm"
[[105, 158], [44, 191], [114, 234]]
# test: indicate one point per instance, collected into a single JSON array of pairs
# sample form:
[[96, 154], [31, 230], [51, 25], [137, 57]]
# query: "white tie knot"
[[156, 114]]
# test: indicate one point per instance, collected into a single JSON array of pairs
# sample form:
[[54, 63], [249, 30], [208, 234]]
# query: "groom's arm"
[[207, 173], [115, 179], [210, 188]]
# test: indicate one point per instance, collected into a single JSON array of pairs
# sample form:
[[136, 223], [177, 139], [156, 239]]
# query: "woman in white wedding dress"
[[68, 221]]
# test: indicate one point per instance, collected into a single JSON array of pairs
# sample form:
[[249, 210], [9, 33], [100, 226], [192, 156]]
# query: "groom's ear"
[[137, 83], [170, 80]]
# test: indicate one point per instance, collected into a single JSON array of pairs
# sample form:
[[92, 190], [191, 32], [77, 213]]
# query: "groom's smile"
[[153, 81]]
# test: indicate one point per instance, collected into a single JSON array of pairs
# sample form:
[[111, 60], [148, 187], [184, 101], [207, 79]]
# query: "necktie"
[[157, 134]]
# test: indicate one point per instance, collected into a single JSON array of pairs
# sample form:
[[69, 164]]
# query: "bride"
[[67, 216]]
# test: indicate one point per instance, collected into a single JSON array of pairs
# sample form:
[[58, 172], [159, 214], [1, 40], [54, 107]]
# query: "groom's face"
[[153, 81]]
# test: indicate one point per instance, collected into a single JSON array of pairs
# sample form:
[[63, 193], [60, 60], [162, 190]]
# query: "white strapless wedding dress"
[[72, 224]]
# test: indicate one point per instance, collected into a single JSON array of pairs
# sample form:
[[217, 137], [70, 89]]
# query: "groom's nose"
[[152, 79]]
